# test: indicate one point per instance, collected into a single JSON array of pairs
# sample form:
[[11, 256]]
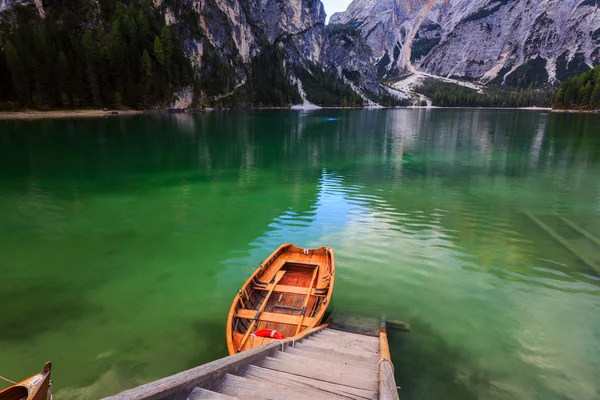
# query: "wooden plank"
[[387, 381], [563, 241], [262, 307], [332, 356], [341, 349], [274, 317], [339, 375], [288, 289], [349, 336], [581, 230], [203, 394], [246, 388], [351, 343], [369, 370], [354, 356], [306, 298], [269, 273], [302, 382], [206, 376]]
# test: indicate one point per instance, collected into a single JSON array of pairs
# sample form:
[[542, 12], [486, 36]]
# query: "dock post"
[[387, 382]]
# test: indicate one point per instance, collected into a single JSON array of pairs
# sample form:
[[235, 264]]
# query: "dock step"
[[252, 388], [301, 382], [322, 362], [323, 346], [323, 371], [332, 356], [326, 364], [349, 339], [204, 394], [348, 336]]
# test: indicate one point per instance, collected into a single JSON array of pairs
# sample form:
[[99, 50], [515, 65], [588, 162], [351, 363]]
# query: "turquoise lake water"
[[124, 240]]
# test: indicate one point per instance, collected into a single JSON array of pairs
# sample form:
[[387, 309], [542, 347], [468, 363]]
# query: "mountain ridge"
[[481, 40], [259, 52]]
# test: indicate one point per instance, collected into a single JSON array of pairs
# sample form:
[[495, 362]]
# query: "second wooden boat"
[[36, 387], [287, 294]]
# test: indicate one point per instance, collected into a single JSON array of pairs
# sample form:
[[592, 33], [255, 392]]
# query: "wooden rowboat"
[[288, 293], [37, 387]]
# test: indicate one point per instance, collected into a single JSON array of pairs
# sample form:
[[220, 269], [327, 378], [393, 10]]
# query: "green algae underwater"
[[123, 241]]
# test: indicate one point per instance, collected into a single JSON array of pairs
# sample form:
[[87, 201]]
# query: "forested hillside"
[[82, 55], [122, 54], [445, 94], [581, 92]]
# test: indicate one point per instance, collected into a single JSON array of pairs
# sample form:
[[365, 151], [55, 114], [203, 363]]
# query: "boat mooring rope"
[[8, 380]]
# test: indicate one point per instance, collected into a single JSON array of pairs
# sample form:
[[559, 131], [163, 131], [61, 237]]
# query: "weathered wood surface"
[[204, 394], [258, 389], [302, 382], [333, 333], [207, 376], [332, 356], [341, 348], [351, 340], [323, 364], [387, 381], [322, 371]]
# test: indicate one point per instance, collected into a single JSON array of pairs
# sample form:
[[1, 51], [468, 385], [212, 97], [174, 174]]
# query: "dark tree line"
[[89, 54], [269, 84], [106, 53], [326, 90], [581, 92], [445, 94]]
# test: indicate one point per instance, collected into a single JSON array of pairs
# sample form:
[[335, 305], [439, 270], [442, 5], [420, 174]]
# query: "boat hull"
[[277, 297], [36, 387]]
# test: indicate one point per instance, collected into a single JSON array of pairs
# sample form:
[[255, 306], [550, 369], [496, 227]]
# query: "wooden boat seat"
[[273, 317], [286, 289]]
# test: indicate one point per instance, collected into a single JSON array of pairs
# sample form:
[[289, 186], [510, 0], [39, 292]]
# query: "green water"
[[124, 240]]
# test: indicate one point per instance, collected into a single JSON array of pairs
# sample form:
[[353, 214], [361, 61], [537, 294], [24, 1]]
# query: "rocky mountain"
[[239, 46], [243, 53], [515, 42]]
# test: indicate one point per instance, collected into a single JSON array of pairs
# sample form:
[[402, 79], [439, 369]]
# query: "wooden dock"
[[326, 362]]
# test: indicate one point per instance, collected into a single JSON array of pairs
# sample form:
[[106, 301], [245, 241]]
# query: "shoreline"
[[33, 115], [26, 115], [577, 111]]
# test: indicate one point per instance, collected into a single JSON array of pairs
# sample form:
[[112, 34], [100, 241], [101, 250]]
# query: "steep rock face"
[[485, 40], [348, 53], [5, 4], [236, 29], [223, 37], [247, 22]]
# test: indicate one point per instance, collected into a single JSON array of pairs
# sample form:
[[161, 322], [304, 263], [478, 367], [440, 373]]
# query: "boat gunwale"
[[330, 262], [32, 386]]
